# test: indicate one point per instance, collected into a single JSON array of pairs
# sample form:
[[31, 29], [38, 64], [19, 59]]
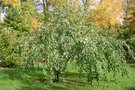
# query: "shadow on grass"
[[130, 88], [43, 87], [74, 78], [31, 88], [33, 79], [22, 74], [132, 65]]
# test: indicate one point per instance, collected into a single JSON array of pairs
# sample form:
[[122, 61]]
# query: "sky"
[[2, 15]]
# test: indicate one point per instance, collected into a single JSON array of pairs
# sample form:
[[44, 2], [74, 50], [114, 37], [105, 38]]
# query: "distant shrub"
[[10, 53]]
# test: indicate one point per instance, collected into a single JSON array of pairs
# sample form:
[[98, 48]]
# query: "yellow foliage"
[[65, 3], [35, 24], [76, 3], [13, 3], [130, 17], [107, 13], [57, 2]]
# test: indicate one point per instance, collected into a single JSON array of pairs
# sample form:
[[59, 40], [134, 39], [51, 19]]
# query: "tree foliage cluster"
[[23, 18], [108, 13], [10, 50]]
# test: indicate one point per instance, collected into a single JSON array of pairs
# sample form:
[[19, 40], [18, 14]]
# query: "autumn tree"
[[64, 3], [130, 18], [106, 14], [9, 3], [12, 3], [23, 18], [10, 48]]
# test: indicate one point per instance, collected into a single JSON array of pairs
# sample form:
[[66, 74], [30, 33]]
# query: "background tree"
[[130, 19], [107, 14], [10, 51], [23, 18], [12, 3]]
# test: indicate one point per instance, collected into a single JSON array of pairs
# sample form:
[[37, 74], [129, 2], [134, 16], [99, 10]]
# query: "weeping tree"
[[66, 38], [58, 43], [102, 58]]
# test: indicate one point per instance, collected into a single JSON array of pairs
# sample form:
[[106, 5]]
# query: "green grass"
[[19, 79]]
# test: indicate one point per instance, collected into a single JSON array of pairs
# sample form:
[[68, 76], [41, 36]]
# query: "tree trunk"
[[56, 75]]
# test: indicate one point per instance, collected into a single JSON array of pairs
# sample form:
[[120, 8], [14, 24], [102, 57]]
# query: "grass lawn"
[[19, 79]]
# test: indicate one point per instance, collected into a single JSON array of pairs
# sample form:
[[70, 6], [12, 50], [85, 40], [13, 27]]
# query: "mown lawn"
[[19, 79]]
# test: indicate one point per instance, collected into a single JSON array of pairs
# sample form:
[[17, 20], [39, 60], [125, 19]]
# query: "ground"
[[20, 79]]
